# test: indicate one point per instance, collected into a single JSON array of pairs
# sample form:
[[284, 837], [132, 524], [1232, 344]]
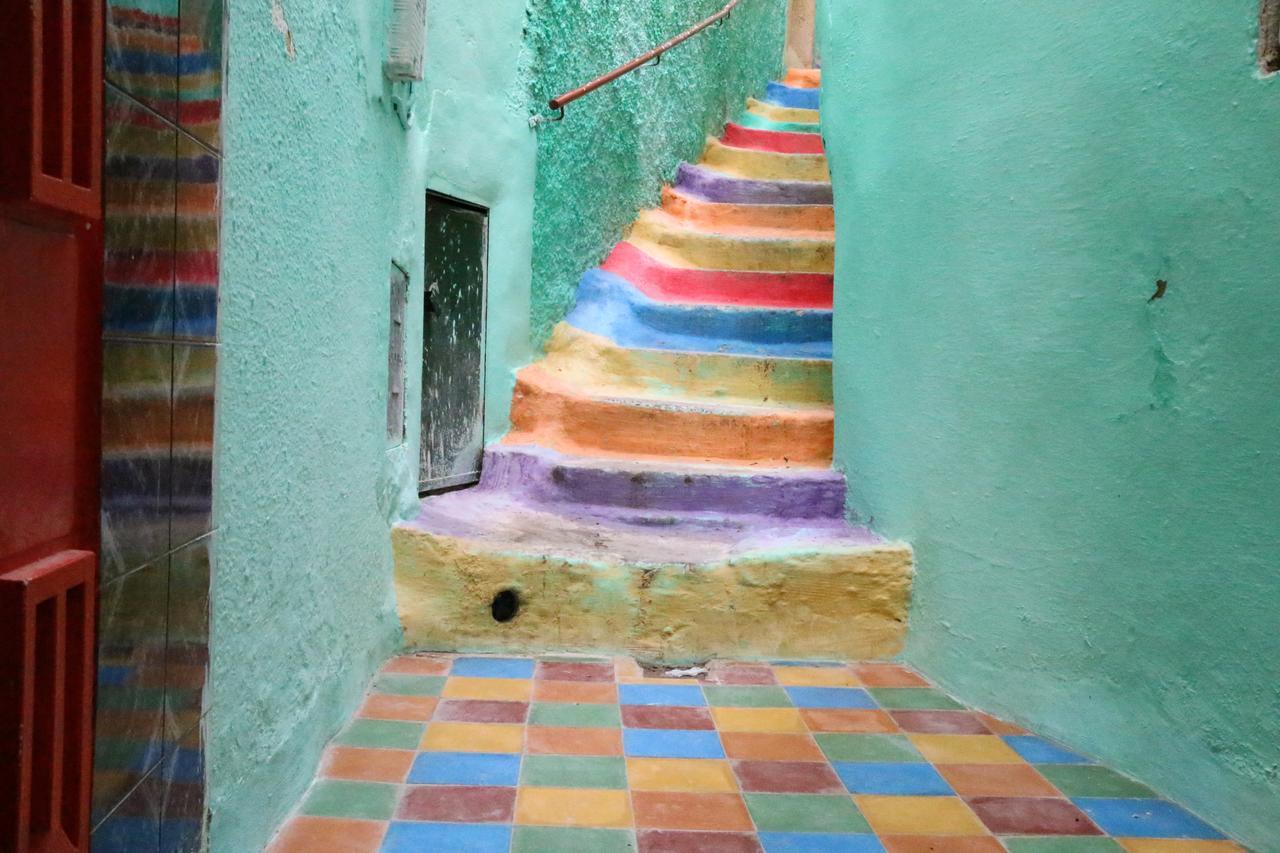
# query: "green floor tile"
[[555, 839], [574, 771], [805, 813], [381, 734], [1060, 844], [913, 699], [1090, 780], [367, 800], [581, 716], [871, 748], [409, 685], [747, 697]]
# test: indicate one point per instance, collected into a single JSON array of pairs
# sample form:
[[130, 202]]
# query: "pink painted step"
[[779, 141], [718, 287]]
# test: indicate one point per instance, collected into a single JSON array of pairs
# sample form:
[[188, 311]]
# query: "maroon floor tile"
[[741, 674], [1032, 816], [666, 717], [458, 803], [481, 711], [940, 722], [584, 671], [668, 841], [790, 777]]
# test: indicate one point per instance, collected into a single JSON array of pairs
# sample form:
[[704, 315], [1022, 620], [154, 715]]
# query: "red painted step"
[[718, 287], [778, 141]]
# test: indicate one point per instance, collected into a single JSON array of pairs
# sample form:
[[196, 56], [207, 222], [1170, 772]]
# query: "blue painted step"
[[783, 95]]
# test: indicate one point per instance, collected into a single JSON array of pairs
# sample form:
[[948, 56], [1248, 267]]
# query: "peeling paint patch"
[[282, 26]]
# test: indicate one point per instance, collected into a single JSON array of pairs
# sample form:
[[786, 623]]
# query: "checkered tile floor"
[[454, 753]]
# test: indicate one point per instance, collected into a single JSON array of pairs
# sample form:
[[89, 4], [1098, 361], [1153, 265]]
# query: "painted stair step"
[[720, 216], [665, 219], [758, 122], [803, 78], [676, 594], [553, 414], [608, 305], [783, 95], [764, 165], [679, 244], [780, 141], [710, 185], [587, 360], [536, 475], [665, 283], [776, 113]]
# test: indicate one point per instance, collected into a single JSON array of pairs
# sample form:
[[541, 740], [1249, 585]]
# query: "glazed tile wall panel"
[[160, 355]]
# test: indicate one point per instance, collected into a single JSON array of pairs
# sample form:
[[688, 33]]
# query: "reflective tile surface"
[[515, 754]]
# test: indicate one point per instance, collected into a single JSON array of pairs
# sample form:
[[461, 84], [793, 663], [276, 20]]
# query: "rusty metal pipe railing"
[[655, 56]]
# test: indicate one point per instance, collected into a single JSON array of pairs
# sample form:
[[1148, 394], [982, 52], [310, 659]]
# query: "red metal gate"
[[50, 258]]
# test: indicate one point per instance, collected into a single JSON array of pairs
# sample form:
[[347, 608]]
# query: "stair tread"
[[497, 522]]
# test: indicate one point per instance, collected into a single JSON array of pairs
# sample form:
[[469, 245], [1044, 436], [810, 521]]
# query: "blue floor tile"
[[660, 694], [819, 842], [1036, 750], [493, 667], [671, 743], [919, 780], [830, 697], [465, 768], [454, 837], [1145, 819]]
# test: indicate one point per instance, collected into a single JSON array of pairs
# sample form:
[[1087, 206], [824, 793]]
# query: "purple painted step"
[[536, 475], [710, 185]]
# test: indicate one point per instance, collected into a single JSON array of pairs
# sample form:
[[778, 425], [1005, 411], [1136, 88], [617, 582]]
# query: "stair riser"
[[765, 165], [710, 185], [683, 246], [850, 605], [716, 287], [585, 360], [607, 305], [782, 95], [564, 420], [806, 78], [777, 113], [771, 140], [758, 122], [542, 479]]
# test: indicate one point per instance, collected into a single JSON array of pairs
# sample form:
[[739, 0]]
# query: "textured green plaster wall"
[[324, 187], [1088, 478], [610, 157]]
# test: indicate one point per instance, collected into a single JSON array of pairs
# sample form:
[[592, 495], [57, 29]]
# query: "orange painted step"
[[804, 78], [711, 215], [552, 414]]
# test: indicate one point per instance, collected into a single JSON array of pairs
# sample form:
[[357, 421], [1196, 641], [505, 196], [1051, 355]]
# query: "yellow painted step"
[[775, 113], [674, 242], [765, 165]]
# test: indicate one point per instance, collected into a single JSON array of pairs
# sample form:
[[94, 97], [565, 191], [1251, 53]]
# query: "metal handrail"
[[655, 56]]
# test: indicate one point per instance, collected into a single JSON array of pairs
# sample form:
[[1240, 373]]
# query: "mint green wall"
[[323, 188], [1089, 478], [611, 155]]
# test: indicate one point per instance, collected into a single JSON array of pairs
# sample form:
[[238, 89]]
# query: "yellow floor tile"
[[573, 807], [758, 720], [473, 737], [1178, 845], [815, 676], [965, 749], [497, 689], [680, 774], [919, 816]]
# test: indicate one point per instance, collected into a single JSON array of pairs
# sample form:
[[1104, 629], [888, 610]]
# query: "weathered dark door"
[[453, 344]]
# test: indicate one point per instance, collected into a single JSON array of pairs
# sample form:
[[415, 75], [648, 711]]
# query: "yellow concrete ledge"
[[776, 113], [765, 165], [847, 603]]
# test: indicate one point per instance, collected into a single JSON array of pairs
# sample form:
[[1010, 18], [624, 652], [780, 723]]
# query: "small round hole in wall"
[[505, 606]]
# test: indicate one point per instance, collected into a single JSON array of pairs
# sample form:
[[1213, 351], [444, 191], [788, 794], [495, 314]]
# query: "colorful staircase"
[[666, 488]]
